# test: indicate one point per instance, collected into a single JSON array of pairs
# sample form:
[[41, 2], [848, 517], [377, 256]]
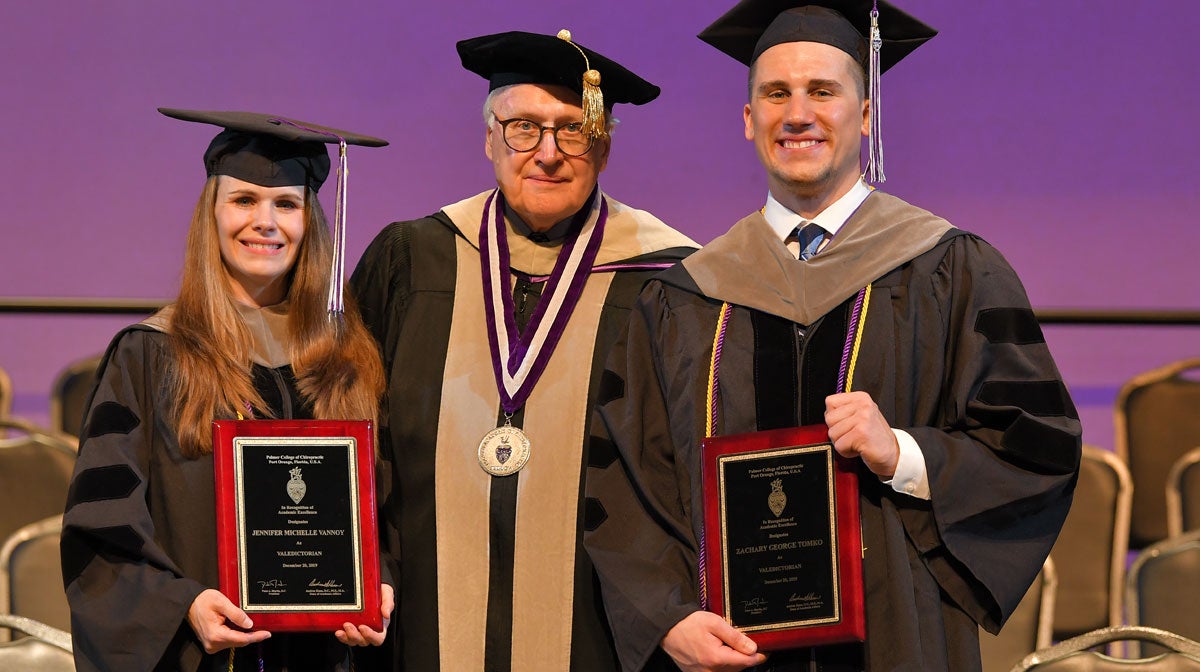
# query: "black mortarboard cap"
[[518, 57], [753, 26], [269, 150]]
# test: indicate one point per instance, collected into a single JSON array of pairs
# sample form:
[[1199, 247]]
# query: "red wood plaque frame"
[[274, 530], [776, 604]]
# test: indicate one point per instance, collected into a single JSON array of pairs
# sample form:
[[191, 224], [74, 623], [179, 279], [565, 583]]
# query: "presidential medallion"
[[503, 451]]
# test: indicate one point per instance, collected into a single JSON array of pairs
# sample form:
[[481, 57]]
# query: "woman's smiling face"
[[260, 230]]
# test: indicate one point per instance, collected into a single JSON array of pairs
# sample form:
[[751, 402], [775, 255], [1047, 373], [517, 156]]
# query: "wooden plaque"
[[297, 539], [783, 546]]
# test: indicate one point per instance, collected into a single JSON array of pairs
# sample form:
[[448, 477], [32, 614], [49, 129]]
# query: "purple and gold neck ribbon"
[[518, 359]]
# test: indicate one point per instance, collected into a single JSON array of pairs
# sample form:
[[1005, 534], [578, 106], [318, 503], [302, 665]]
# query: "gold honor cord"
[[711, 397]]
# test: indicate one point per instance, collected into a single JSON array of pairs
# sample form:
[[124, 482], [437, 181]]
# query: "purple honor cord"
[[518, 359], [851, 337]]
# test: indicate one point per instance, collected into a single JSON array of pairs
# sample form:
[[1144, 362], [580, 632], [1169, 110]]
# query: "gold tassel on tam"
[[594, 125]]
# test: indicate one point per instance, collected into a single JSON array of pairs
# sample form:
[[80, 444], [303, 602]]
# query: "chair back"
[[1029, 628], [1091, 548], [1156, 422], [43, 649], [1073, 655], [69, 395], [35, 472], [6, 394], [1164, 586], [1183, 494], [31, 582]]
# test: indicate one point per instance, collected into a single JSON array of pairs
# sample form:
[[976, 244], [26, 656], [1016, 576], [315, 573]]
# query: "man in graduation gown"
[[495, 316], [965, 441]]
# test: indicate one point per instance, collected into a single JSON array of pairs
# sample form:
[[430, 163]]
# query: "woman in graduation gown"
[[253, 334]]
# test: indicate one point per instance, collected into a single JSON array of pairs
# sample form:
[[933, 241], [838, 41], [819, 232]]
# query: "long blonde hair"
[[336, 362]]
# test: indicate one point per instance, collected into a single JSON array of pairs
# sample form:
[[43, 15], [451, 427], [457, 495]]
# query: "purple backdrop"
[[1063, 132]]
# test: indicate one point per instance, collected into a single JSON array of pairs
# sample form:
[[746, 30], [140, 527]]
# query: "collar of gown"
[[752, 267], [268, 327]]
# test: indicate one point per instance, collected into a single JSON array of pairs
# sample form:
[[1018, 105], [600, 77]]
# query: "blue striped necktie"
[[809, 236]]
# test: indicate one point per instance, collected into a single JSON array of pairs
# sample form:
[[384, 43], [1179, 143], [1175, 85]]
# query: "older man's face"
[[543, 186]]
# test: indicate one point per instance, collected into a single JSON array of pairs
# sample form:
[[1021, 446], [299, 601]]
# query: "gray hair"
[[489, 116]]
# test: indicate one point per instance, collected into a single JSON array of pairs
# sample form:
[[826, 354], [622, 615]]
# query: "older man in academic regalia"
[[495, 316]]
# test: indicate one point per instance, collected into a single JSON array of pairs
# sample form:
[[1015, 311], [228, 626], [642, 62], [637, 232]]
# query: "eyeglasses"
[[523, 135]]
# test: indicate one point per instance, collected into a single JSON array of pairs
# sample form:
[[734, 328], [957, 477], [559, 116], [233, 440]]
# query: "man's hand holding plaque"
[[703, 641], [858, 429]]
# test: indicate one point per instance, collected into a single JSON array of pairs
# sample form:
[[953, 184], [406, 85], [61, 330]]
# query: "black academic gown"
[[139, 532], [951, 353], [466, 575]]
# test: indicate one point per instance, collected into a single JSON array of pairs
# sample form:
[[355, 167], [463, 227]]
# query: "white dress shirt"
[[912, 476]]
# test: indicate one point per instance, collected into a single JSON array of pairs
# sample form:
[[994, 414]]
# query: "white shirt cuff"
[[911, 477]]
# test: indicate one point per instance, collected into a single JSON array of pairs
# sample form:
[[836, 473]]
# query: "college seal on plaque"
[[777, 499], [296, 486]]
